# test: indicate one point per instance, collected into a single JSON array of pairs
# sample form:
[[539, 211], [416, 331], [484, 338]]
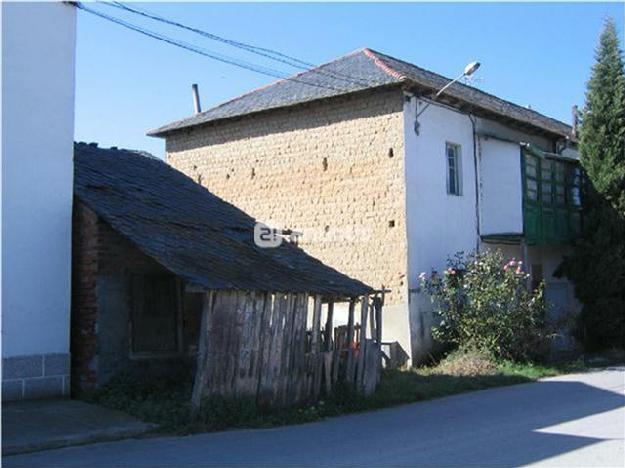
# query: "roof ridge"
[[459, 83], [373, 55]]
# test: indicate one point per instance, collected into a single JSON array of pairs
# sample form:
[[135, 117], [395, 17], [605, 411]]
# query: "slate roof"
[[191, 232], [361, 70]]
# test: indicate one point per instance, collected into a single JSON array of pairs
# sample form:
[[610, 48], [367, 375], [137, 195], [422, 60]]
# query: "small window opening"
[[454, 168], [325, 164], [390, 153], [391, 223]]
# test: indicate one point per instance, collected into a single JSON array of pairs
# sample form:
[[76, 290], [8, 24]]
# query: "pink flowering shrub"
[[484, 301]]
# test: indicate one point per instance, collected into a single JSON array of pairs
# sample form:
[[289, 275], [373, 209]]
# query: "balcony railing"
[[551, 198]]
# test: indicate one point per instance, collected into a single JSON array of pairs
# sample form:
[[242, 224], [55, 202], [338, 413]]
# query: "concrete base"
[[35, 376], [29, 426]]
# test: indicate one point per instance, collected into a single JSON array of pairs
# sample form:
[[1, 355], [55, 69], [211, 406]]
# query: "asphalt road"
[[575, 420]]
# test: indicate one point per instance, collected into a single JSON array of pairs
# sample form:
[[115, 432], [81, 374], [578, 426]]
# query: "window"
[[453, 169], [154, 315]]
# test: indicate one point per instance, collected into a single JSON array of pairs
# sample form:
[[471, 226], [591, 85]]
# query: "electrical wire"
[[261, 51], [192, 48]]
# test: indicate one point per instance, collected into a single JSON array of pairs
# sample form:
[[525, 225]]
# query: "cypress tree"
[[597, 265]]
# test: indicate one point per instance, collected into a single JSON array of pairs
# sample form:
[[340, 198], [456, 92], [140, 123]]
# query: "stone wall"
[[333, 171]]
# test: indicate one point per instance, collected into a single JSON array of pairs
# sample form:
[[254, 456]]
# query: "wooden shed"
[[163, 269]]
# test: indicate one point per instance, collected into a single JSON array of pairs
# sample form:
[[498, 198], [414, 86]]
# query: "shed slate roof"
[[358, 71], [192, 232]]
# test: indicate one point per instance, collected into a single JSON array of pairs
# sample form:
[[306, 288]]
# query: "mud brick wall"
[[333, 170]]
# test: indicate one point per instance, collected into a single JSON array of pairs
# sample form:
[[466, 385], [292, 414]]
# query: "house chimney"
[[575, 115], [196, 98]]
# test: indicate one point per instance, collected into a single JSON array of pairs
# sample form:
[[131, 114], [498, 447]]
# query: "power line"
[[261, 51], [269, 53], [190, 47]]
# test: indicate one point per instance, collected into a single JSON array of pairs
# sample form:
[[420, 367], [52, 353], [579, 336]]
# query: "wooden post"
[[316, 324], [377, 306], [363, 340], [202, 355], [372, 323], [329, 327], [349, 368]]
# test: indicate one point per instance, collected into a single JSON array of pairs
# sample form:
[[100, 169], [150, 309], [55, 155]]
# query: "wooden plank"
[[264, 384], [378, 319], [316, 361], [329, 328], [301, 369], [336, 365], [328, 357], [199, 383], [350, 366], [362, 350], [234, 323], [316, 325], [260, 299], [372, 365], [245, 381], [277, 326], [287, 338]]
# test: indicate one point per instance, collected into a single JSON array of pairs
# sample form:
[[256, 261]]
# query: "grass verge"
[[166, 401]]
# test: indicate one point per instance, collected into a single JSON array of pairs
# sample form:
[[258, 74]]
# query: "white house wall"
[[438, 224], [38, 48], [487, 127], [501, 191]]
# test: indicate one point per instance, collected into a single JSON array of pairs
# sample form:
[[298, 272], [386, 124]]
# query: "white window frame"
[[457, 169]]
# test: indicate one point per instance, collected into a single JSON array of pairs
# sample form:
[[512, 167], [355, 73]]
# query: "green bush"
[[482, 301]]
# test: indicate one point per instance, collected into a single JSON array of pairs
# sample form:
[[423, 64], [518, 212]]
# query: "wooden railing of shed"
[[258, 344]]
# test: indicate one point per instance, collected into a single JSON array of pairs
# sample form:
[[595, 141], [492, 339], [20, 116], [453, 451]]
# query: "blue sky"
[[536, 54]]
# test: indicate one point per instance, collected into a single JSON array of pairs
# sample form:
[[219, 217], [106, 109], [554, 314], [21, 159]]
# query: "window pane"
[[560, 195], [546, 192], [559, 172], [453, 169], [530, 166], [576, 199]]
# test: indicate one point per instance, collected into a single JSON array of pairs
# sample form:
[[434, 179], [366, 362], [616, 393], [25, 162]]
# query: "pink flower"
[[518, 270]]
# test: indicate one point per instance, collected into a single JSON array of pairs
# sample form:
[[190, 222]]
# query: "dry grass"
[[467, 363]]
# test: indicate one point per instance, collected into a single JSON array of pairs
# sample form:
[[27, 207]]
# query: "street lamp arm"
[[441, 91]]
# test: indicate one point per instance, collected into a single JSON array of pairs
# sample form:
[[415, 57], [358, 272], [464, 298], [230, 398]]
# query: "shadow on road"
[[492, 427]]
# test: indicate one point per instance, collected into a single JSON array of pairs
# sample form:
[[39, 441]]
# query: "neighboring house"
[[38, 47], [341, 154], [166, 274]]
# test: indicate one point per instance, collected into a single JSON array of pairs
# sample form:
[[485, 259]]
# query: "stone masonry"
[[332, 170], [35, 376]]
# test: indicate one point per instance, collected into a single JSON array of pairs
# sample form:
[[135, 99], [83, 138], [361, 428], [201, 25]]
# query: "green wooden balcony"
[[551, 198]]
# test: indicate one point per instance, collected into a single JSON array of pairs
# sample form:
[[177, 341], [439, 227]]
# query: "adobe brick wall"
[[323, 169]]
